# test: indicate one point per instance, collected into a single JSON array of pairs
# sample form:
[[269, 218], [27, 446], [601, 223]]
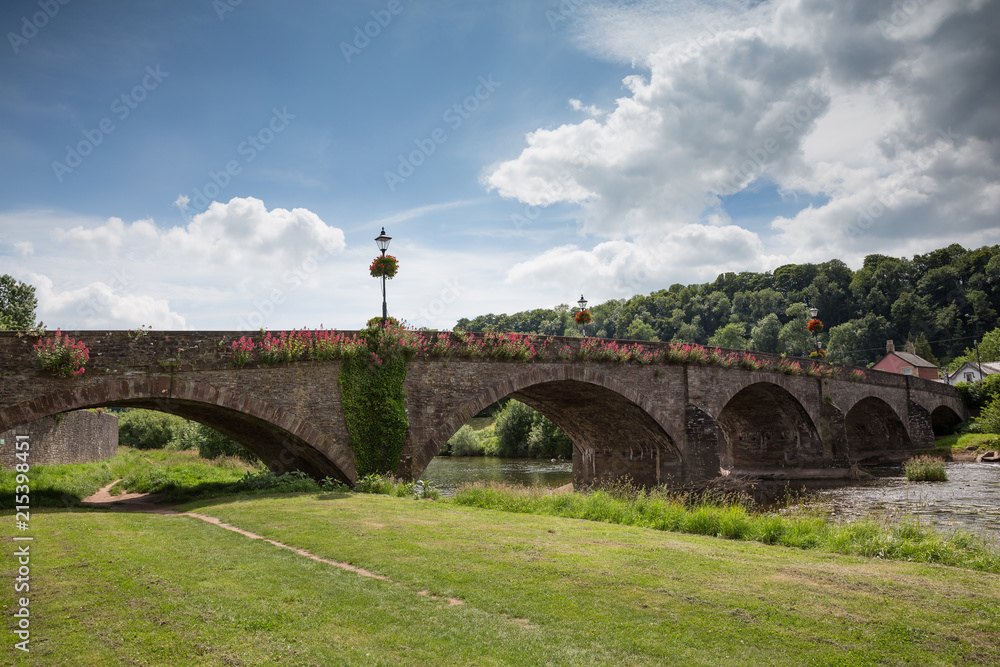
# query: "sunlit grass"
[[729, 518]]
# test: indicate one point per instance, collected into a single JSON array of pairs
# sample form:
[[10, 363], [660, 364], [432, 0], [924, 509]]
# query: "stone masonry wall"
[[75, 437]]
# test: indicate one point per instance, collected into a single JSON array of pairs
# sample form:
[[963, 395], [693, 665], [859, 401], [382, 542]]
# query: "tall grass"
[[730, 518], [925, 469]]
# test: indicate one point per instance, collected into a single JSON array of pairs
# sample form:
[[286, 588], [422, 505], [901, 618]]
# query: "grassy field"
[[110, 588]]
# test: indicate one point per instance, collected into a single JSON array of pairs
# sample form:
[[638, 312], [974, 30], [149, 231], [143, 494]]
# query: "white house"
[[969, 371]]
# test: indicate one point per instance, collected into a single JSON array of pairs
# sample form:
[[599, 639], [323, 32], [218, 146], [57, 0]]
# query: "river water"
[[969, 500]]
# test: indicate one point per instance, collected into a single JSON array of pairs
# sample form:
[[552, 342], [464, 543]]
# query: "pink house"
[[906, 363]]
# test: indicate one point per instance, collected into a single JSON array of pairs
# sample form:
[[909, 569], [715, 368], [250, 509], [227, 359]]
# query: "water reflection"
[[447, 472]]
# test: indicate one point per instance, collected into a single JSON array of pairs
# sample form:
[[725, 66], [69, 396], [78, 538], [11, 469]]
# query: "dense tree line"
[[939, 301]]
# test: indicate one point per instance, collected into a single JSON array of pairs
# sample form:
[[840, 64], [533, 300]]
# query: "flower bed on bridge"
[[326, 345]]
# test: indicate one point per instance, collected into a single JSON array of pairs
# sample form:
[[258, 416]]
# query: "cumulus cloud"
[[884, 110], [111, 273], [99, 305]]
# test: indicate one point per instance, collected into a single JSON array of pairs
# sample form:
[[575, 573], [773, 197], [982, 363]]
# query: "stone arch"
[[764, 426], [282, 440], [875, 432], [616, 431], [944, 420]]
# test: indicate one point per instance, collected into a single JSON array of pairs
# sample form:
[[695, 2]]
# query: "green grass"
[[803, 529], [121, 588], [925, 469], [176, 475], [953, 444]]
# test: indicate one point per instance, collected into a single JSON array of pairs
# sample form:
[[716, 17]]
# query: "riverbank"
[[468, 586]]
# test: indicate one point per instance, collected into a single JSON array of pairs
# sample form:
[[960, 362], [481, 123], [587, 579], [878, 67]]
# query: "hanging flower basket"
[[384, 266], [583, 317], [818, 354], [815, 326], [378, 322]]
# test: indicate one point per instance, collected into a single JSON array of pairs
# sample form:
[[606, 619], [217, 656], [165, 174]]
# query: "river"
[[969, 500]]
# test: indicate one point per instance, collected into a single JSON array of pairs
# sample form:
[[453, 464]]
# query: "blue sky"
[[519, 153]]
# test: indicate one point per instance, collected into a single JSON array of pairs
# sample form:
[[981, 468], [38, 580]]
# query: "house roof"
[[989, 367], [914, 360]]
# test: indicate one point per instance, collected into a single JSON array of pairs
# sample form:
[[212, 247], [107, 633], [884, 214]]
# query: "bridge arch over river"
[[657, 423]]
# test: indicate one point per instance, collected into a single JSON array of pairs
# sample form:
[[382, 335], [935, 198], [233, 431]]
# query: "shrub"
[[464, 443], [546, 440], [147, 429], [925, 469], [989, 419], [212, 444]]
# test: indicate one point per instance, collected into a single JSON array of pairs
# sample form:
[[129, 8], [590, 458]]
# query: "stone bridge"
[[658, 423]]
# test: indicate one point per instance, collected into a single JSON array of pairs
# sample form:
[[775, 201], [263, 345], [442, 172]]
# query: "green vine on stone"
[[371, 389]]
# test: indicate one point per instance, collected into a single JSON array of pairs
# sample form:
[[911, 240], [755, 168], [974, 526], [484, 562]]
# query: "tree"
[[732, 336], [764, 336], [513, 426], [639, 330], [794, 337], [17, 304], [858, 342]]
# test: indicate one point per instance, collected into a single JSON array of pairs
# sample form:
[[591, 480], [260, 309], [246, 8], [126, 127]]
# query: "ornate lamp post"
[[583, 317], [383, 244], [815, 326]]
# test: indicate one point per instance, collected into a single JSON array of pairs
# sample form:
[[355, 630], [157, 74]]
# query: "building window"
[[968, 377], [907, 371]]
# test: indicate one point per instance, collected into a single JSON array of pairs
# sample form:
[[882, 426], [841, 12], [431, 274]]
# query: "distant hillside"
[[940, 301]]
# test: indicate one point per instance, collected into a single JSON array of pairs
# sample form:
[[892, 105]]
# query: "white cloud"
[[24, 248], [877, 107], [589, 109], [100, 306], [111, 273]]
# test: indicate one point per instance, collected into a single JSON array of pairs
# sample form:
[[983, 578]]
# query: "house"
[[906, 363], [969, 371]]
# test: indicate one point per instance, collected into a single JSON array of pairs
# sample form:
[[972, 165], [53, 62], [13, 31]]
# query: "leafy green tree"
[[989, 350], [922, 348], [513, 426], [858, 341], [733, 336], [764, 336], [17, 304], [794, 337], [547, 441], [148, 429], [639, 330]]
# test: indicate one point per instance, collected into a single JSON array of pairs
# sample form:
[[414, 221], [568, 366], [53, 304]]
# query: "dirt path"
[[146, 502]]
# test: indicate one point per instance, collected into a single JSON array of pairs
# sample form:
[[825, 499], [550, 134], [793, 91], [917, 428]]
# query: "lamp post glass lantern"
[[383, 244]]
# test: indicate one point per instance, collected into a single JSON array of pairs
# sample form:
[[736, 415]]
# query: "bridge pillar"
[[833, 433], [701, 460], [918, 423]]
